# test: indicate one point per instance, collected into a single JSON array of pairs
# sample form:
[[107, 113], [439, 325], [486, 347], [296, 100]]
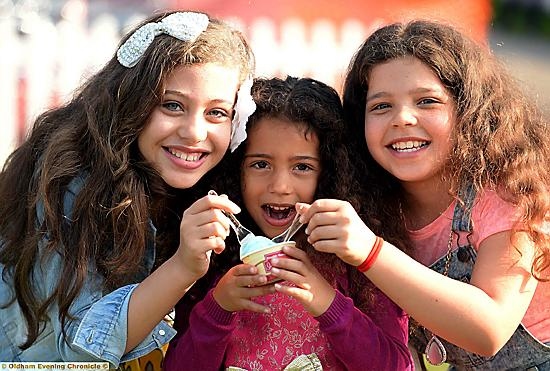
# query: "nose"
[[404, 116], [193, 128], [280, 183]]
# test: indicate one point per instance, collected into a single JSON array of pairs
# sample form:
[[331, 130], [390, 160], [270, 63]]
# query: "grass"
[[429, 367]]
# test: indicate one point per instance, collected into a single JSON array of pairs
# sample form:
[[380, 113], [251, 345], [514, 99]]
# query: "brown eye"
[[303, 167], [259, 165]]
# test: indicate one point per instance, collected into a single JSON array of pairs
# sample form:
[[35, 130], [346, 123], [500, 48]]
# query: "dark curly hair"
[[316, 108]]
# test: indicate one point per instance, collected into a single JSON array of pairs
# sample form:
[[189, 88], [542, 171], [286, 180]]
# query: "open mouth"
[[278, 215], [279, 212]]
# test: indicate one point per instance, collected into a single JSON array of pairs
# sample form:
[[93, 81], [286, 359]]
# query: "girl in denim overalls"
[[457, 156], [523, 350]]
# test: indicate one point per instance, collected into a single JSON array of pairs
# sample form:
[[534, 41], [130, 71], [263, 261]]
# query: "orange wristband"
[[373, 254]]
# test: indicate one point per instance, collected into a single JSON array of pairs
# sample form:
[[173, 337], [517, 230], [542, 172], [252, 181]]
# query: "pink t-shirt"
[[490, 215]]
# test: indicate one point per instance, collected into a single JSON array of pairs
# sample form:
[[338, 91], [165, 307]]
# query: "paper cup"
[[262, 259]]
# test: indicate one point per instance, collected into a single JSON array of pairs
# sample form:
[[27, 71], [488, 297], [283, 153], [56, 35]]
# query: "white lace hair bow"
[[185, 26], [244, 107]]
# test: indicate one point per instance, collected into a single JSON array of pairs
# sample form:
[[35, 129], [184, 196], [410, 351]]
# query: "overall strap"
[[462, 220]]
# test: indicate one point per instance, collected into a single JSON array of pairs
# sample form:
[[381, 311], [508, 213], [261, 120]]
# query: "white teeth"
[[278, 208], [408, 146], [192, 157]]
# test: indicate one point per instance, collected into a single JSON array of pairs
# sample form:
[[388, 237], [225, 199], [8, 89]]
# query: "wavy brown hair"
[[94, 136], [500, 140]]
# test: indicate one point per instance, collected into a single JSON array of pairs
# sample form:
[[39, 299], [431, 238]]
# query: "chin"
[[183, 182]]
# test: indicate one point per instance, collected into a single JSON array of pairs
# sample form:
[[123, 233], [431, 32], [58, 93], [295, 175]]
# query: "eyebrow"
[[297, 157], [180, 94], [416, 91], [375, 96]]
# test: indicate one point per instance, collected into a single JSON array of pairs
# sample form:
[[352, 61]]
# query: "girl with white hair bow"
[[103, 224]]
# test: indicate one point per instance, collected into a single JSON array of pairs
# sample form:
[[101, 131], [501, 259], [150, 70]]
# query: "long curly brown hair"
[[500, 140], [94, 136]]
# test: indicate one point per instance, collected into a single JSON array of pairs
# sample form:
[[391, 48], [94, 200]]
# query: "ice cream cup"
[[262, 259]]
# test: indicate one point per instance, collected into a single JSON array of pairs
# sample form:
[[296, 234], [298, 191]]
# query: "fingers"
[[243, 299], [204, 221], [327, 246], [255, 307], [295, 253], [323, 232], [303, 296], [255, 291], [244, 270], [289, 276], [249, 277], [295, 261], [318, 206], [237, 287], [246, 275], [220, 202], [219, 246], [302, 209], [296, 268], [211, 222]]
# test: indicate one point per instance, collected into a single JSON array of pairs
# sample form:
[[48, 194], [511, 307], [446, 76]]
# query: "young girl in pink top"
[[326, 314], [460, 158]]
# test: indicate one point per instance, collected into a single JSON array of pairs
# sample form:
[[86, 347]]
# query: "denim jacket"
[[98, 331]]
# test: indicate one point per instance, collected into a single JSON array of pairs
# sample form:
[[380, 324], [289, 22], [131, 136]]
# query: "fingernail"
[[278, 286], [307, 231], [275, 270]]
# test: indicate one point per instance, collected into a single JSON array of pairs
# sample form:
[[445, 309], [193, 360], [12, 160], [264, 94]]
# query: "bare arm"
[[492, 306]]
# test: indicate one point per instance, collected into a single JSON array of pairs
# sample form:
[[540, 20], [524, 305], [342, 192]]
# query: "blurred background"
[[47, 48]]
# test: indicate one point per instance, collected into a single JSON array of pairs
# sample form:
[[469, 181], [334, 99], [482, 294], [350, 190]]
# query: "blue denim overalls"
[[521, 352]]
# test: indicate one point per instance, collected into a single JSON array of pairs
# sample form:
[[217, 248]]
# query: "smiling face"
[[409, 116], [281, 166], [188, 133]]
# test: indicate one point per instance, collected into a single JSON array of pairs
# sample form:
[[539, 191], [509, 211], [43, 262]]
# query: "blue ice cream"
[[253, 243]]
